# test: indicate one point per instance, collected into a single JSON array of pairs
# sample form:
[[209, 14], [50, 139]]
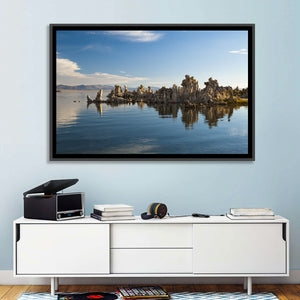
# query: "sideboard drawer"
[[151, 236], [155, 261]]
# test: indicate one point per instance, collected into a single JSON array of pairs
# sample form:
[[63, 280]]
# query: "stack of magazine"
[[112, 212], [251, 214], [143, 292]]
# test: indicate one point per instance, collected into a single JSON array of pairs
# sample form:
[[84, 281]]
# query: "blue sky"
[[155, 58]]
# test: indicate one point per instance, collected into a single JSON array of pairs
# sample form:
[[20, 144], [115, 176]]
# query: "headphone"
[[156, 210]]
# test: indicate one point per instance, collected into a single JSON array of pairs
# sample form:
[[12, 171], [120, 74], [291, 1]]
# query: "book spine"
[[116, 218], [112, 214], [97, 212], [251, 212], [95, 216], [113, 209], [250, 217]]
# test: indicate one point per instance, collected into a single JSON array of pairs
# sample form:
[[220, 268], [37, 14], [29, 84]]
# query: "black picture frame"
[[250, 28]]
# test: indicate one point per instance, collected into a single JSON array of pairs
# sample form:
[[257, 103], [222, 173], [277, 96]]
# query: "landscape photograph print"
[[152, 91]]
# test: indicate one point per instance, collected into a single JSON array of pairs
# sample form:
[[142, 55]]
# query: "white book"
[[112, 213], [113, 207], [232, 217], [116, 218], [251, 211]]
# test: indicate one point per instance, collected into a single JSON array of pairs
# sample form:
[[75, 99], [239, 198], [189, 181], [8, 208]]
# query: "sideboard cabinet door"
[[63, 249], [239, 248]]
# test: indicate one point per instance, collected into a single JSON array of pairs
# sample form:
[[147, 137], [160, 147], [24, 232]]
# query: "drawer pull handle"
[[17, 232], [284, 231]]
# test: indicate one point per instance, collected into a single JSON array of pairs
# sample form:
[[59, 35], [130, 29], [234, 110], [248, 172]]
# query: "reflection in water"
[[214, 113], [141, 105], [138, 127], [98, 106], [166, 110], [66, 114], [189, 116]]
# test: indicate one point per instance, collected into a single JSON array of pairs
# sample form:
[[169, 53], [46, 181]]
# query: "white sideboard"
[[169, 247]]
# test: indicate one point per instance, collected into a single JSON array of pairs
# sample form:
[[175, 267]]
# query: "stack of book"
[[112, 212], [251, 214], [143, 292]]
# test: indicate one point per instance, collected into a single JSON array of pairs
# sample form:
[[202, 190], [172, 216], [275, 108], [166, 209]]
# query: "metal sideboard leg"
[[245, 283], [249, 286], [56, 283], [53, 286]]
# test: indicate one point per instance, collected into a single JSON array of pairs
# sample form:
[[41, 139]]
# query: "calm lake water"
[[142, 129]]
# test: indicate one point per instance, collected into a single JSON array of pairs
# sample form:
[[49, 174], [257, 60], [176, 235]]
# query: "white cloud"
[[68, 73], [66, 67], [237, 131], [122, 72], [87, 47], [96, 47], [242, 51], [137, 35]]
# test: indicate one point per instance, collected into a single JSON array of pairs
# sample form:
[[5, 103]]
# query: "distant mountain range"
[[84, 87], [93, 87]]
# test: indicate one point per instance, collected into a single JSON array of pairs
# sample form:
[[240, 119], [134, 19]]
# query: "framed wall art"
[[145, 91]]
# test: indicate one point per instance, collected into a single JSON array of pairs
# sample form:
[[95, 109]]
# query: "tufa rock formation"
[[97, 99], [215, 93], [188, 94]]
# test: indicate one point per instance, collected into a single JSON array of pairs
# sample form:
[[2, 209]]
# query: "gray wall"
[[208, 187]]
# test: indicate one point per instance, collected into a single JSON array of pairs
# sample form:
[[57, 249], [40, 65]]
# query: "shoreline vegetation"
[[188, 95]]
